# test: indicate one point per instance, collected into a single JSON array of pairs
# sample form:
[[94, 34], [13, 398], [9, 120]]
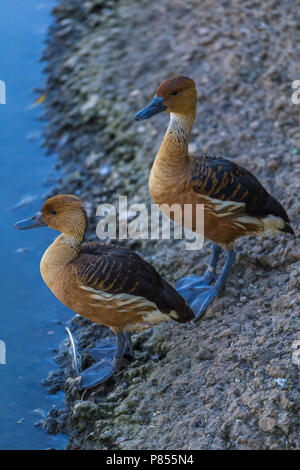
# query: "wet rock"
[[83, 409], [50, 425]]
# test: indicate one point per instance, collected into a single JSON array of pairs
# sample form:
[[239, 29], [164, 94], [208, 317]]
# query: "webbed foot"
[[109, 357], [199, 292]]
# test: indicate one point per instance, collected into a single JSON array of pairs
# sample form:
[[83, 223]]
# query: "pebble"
[[89, 104], [105, 170], [204, 354], [93, 159], [267, 424], [281, 382], [135, 93]]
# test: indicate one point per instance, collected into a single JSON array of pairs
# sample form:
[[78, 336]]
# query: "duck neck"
[[174, 148], [179, 130], [171, 160]]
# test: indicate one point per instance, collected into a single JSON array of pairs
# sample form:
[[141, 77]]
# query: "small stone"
[[72, 61], [120, 439], [296, 352], [272, 165], [281, 382], [50, 425], [106, 435], [99, 40], [89, 104], [135, 93], [286, 404], [225, 333], [204, 354], [267, 424], [84, 409], [141, 129], [104, 170], [92, 160]]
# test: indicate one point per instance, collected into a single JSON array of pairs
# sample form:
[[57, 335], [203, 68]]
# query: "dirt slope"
[[231, 381]]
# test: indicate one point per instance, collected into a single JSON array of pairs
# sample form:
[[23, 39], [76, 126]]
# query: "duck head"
[[64, 213], [176, 95]]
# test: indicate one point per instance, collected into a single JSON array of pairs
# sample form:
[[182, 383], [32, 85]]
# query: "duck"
[[107, 284], [234, 202]]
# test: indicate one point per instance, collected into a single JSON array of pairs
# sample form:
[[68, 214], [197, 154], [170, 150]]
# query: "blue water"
[[31, 319]]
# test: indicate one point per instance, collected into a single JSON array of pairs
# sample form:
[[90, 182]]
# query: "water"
[[31, 319]]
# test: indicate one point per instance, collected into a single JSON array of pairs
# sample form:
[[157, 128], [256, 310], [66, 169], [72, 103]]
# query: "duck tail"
[[180, 311], [277, 224], [288, 229]]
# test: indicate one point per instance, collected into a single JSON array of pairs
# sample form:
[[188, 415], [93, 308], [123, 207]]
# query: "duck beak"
[[156, 106], [32, 222]]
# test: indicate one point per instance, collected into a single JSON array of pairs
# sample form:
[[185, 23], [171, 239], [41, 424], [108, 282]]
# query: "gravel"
[[232, 380]]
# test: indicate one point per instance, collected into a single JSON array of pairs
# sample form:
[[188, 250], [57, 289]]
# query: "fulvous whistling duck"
[[108, 285], [235, 203]]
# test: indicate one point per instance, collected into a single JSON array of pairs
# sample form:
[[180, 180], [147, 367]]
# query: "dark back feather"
[[117, 270], [222, 179]]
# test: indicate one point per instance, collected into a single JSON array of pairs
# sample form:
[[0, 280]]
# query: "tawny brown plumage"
[[235, 203], [108, 285]]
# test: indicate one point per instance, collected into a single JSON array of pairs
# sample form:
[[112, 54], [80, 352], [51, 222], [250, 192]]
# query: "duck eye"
[[174, 92], [53, 212]]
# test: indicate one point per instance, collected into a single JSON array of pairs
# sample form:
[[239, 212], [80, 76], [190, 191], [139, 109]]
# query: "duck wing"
[[117, 270], [224, 180]]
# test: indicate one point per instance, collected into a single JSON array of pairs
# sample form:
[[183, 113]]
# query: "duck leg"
[[108, 364], [128, 346], [199, 292], [189, 282]]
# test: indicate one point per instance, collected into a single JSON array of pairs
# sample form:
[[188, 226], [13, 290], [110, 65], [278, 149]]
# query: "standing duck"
[[108, 285], [235, 203]]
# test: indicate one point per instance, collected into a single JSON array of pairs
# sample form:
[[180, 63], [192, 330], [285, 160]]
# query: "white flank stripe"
[[123, 299]]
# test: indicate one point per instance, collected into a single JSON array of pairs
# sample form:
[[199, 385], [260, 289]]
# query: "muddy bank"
[[231, 381]]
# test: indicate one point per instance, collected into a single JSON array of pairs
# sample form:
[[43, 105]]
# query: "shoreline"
[[217, 380]]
